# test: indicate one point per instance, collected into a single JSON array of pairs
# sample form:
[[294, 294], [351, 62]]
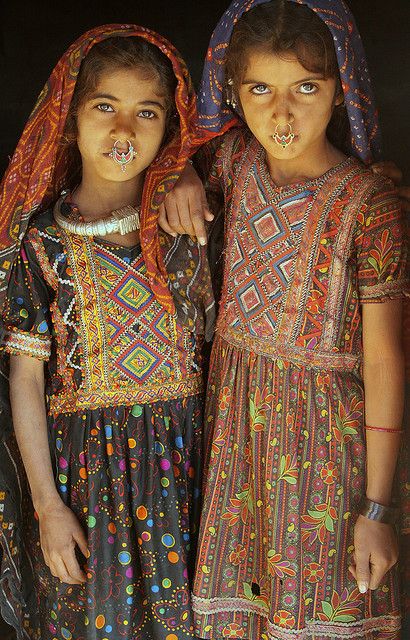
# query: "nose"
[[281, 113], [123, 130]]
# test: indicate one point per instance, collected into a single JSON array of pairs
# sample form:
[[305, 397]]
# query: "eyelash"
[[150, 116], [104, 104], [258, 86], [305, 84], [308, 84], [146, 113]]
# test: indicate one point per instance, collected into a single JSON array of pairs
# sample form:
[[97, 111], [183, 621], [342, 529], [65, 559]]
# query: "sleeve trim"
[[384, 290], [22, 343]]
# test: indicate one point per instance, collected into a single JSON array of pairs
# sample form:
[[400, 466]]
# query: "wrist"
[[372, 510], [45, 503]]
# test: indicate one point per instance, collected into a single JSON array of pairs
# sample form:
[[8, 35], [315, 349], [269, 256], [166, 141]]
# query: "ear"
[[339, 99]]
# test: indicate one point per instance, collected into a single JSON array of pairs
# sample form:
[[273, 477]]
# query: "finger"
[[59, 570], [185, 210], [198, 223], [362, 569], [163, 222], [377, 574], [81, 539], [73, 568], [208, 215], [172, 214]]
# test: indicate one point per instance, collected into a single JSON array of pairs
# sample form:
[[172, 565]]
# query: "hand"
[[60, 532], [185, 207], [375, 552], [388, 169]]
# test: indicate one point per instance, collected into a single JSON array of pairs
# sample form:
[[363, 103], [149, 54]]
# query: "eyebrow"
[[108, 96], [309, 79]]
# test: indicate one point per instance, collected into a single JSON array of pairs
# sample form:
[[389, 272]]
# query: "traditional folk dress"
[[285, 407], [120, 331], [124, 406]]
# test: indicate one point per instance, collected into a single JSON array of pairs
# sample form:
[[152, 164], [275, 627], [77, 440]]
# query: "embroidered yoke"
[[114, 343]]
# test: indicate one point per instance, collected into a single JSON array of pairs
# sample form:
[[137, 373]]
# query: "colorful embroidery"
[[285, 404], [20, 342]]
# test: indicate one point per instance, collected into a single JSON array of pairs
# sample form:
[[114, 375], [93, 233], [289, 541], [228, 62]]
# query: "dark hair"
[[112, 54], [281, 26]]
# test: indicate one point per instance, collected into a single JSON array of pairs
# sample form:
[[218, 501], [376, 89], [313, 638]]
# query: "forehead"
[[132, 81], [284, 66]]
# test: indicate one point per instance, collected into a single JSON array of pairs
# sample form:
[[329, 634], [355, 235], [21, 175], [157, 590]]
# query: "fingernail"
[[87, 555], [363, 586], [377, 169], [202, 241], [173, 234]]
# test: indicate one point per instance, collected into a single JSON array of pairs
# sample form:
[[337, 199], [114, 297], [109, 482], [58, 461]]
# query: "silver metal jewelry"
[[120, 221], [378, 512], [122, 157], [283, 140]]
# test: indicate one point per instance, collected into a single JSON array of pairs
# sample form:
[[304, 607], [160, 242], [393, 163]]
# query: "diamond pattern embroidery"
[[136, 325], [139, 362], [131, 293], [266, 227]]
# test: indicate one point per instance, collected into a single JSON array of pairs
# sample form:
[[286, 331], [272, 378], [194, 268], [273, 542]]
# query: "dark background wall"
[[34, 34]]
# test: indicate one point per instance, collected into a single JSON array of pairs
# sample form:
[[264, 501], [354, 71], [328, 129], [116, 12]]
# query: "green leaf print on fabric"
[[241, 506], [317, 522], [288, 469], [342, 608], [347, 420], [261, 599], [382, 256], [258, 408]]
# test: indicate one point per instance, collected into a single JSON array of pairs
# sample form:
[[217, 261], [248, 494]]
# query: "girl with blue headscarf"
[[305, 391]]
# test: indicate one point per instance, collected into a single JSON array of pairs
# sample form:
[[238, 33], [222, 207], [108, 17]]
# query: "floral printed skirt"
[[285, 473], [132, 477]]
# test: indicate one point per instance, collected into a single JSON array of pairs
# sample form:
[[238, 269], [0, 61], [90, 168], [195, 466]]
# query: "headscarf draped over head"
[[214, 114], [38, 169]]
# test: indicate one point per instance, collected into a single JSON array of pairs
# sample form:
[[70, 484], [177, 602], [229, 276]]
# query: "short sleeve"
[[381, 248], [26, 316]]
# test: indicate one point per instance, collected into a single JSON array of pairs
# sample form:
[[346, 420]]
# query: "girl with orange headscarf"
[[105, 371]]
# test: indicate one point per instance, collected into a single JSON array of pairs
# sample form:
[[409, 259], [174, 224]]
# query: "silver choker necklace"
[[120, 221]]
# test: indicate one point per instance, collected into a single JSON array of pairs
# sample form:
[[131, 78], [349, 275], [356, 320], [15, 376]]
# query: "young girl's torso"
[[300, 259], [108, 340]]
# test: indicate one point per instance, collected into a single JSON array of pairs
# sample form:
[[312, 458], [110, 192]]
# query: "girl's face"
[[126, 105], [277, 91]]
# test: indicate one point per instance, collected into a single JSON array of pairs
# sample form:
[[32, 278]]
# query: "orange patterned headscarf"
[[38, 169]]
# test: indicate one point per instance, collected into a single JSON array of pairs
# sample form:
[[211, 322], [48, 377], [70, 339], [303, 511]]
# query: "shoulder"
[[42, 221], [370, 184]]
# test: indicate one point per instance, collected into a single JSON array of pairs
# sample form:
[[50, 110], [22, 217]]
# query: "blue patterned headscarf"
[[215, 116]]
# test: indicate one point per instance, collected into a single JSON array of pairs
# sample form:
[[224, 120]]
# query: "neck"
[[96, 199], [308, 166]]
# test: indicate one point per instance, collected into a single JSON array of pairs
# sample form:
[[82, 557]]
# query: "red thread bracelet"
[[384, 429]]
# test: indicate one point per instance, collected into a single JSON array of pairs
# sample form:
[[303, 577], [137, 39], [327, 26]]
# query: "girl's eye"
[[308, 88], [147, 114], [104, 107], [260, 89]]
